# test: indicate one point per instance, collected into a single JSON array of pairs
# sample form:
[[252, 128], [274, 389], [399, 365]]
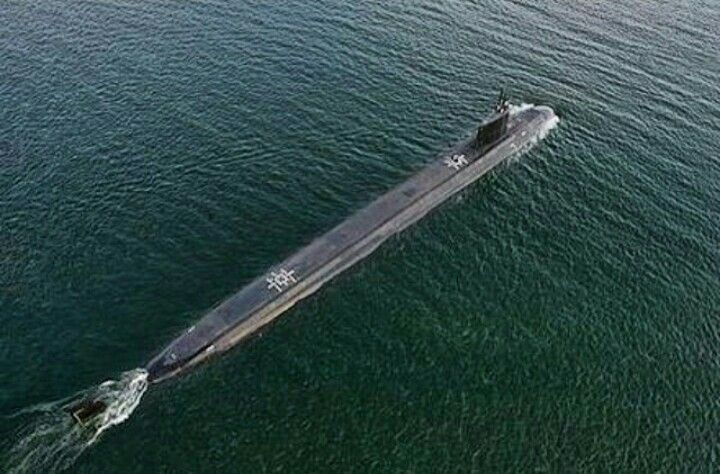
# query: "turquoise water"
[[561, 314]]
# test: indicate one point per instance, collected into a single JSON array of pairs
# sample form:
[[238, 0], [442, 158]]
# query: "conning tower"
[[495, 126]]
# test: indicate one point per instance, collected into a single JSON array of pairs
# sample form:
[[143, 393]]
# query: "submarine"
[[499, 136], [504, 133]]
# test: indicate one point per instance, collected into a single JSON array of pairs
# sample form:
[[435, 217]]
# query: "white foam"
[[121, 397], [50, 440], [515, 109], [548, 126]]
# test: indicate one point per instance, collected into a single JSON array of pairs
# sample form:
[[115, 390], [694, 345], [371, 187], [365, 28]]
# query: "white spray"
[[50, 440]]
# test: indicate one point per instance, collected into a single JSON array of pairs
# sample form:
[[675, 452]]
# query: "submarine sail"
[[493, 128]]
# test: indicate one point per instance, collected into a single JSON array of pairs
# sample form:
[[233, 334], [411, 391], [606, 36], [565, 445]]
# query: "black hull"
[[306, 271]]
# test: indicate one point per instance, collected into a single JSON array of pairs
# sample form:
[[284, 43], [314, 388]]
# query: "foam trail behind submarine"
[[50, 441]]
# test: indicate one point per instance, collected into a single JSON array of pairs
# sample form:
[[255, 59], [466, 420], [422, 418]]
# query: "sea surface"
[[562, 314]]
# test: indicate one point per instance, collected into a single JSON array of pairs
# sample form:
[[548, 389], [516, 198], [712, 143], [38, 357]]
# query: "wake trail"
[[50, 440]]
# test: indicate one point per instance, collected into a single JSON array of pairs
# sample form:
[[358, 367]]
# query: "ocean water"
[[559, 315]]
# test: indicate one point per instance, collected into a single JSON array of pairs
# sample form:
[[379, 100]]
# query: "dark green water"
[[562, 314]]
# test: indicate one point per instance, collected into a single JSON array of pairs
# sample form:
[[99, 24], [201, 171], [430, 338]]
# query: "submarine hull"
[[271, 294]]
